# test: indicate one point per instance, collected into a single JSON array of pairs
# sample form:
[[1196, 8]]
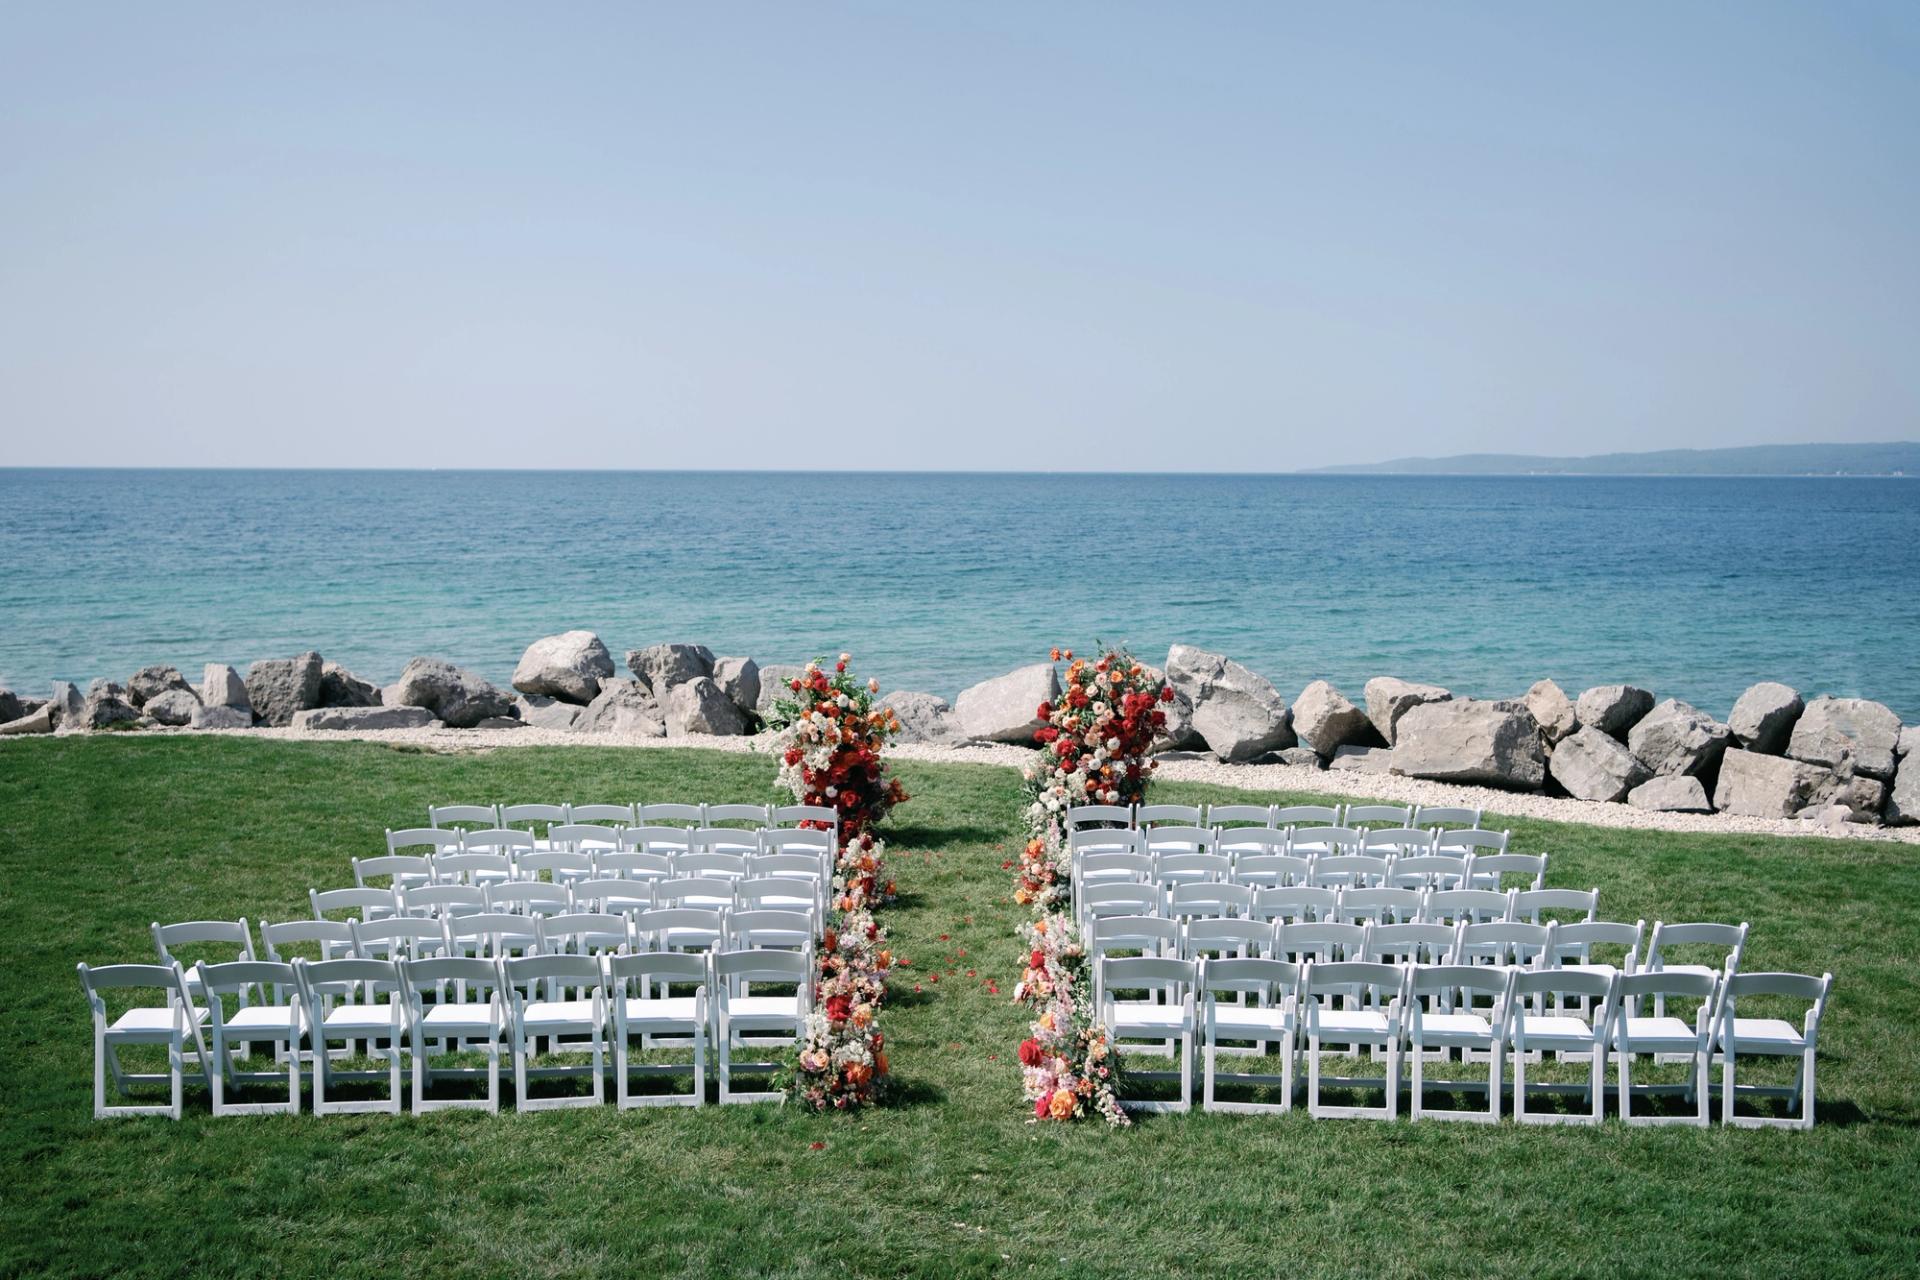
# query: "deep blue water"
[[1692, 587]]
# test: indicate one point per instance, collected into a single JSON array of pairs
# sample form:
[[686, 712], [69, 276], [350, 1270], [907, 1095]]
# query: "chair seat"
[[150, 1020], [1547, 1029], [556, 1013], [1334, 1024], [1763, 1035], [361, 1019], [746, 1008], [682, 1009], [264, 1017], [1455, 1025], [1230, 1019], [1142, 1014], [455, 1019], [1650, 1034]]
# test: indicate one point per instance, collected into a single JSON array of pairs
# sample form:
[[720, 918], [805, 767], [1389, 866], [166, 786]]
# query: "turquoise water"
[[1692, 587]]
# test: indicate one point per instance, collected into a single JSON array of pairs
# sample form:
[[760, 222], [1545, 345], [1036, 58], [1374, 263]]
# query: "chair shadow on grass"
[[910, 1091]]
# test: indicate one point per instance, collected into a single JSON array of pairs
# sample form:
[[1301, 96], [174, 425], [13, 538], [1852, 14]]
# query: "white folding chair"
[[1770, 1037], [633, 866], [1172, 869], [174, 1025], [504, 842], [1331, 1016], [588, 838], [692, 815], [748, 1021], [1349, 871], [561, 867], [437, 900], [1397, 842], [658, 1019], [1439, 1021], [1364, 816], [343, 1001], [264, 1019], [1166, 1015], [468, 1010], [399, 868], [389, 939], [755, 816], [1082, 817], [678, 929], [1271, 870], [441, 816], [707, 893], [1668, 1037], [1295, 904], [1290, 816], [231, 937], [1261, 1017], [618, 815], [732, 841], [573, 1007], [1257, 816], [1564, 1031], [1465, 906], [659, 840], [427, 840], [613, 895], [1431, 871], [1163, 816], [527, 898], [583, 933], [779, 893], [770, 928], [1378, 906], [472, 869], [1137, 935], [1440, 817], [368, 904], [536, 818], [331, 939]]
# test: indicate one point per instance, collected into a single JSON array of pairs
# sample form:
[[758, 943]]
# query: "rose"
[[1063, 1104], [1031, 1053]]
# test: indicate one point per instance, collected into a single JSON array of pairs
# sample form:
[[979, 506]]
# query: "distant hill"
[[1751, 460]]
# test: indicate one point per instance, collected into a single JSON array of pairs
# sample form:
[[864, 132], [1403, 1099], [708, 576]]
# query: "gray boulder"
[[1613, 708], [10, 708], [1357, 759], [1903, 801], [278, 687], [1325, 720], [222, 718], [1177, 734], [541, 712], [775, 686], [339, 687], [221, 686], [151, 682], [1670, 793], [173, 707], [1756, 786], [739, 679], [1002, 709], [67, 704], [569, 666], [1389, 698], [454, 695], [1848, 735], [1863, 797], [1239, 715], [1593, 766], [623, 707], [1909, 740], [106, 704], [1493, 743], [362, 719], [1677, 738], [1552, 710], [700, 706], [663, 666], [502, 722], [39, 720], [1763, 718], [924, 717]]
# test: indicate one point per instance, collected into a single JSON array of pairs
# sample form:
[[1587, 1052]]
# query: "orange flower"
[[1063, 1104]]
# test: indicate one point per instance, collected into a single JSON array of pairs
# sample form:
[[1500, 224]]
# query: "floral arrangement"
[[830, 737], [1093, 750]]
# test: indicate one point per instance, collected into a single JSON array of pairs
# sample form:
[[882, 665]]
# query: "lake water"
[[1694, 588]]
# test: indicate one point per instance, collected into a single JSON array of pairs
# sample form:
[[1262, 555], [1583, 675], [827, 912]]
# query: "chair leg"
[[1415, 1088], [1806, 1090], [1726, 1087], [1597, 1084], [1496, 1063], [1393, 1080], [176, 1073], [1186, 1071]]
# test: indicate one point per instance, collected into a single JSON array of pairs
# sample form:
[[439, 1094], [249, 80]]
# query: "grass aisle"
[[100, 836]]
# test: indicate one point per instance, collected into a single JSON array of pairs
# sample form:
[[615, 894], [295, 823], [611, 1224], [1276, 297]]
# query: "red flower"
[[1166, 693], [839, 1008], [1044, 711], [1038, 960]]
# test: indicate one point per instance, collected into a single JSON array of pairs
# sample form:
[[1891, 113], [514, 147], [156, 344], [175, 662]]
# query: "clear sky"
[[1092, 236]]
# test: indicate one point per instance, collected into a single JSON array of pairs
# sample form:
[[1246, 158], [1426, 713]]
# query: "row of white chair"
[[1200, 1007], [797, 891], [782, 857], [1276, 815], [544, 816], [1322, 900], [1300, 841], [594, 838], [428, 1007]]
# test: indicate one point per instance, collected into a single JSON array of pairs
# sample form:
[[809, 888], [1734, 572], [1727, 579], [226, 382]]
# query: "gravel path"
[[1254, 777]]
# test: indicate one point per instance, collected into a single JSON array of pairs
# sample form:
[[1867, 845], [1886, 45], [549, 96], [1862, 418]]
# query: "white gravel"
[[1250, 777]]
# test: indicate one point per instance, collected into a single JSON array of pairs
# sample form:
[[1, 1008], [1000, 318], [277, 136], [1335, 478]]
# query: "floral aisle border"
[[830, 736], [1093, 750]]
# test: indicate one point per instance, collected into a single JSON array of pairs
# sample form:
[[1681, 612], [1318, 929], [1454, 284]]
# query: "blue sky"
[[1079, 236]]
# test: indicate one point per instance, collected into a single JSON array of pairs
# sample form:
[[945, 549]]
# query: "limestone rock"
[[739, 679], [362, 719], [1842, 732], [1003, 709], [663, 666], [1552, 710], [1324, 719], [775, 686], [1593, 766], [39, 720], [700, 706], [1863, 797], [67, 705], [1389, 698], [1909, 740], [221, 686], [1466, 740], [222, 718], [173, 707], [924, 717], [454, 694], [151, 682], [339, 687], [502, 722], [1670, 793], [569, 666], [542, 712], [1763, 718], [1756, 786], [106, 704], [278, 687], [1903, 802], [1677, 738], [1613, 708], [626, 707], [1359, 759], [1239, 715]]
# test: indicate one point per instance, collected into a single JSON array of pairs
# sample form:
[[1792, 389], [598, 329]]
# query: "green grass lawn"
[[101, 836]]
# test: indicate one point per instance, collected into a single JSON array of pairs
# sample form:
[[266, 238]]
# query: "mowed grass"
[[99, 837]]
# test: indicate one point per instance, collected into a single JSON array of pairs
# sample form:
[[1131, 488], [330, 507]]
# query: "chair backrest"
[[356, 978], [803, 840], [419, 975], [1792, 986], [432, 839], [1379, 905], [724, 866], [365, 902], [167, 978], [1470, 838], [1588, 934], [560, 868], [633, 866], [1258, 816], [1324, 979], [1163, 976], [692, 815], [611, 894], [1172, 839], [440, 816], [1296, 904], [1277, 980], [1249, 842], [770, 928], [641, 970], [1221, 936], [1150, 935], [583, 933], [332, 938], [442, 899], [1371, 815], [1490, 870], [1685, 983], [1306, 815], [1451, 980], [396, 935], [729, 841], [547, 814], [1567, 982], [1731, 939], [1119, 899], [493, 934], [1349, 870], [395, 866], [1081, 816], [1091, 840], [583, 837], [242, 978], [1174, 868], [221, 934], [678, 928], [1410, 943], [1532, 905], [816, 816], [704, 891], [1436, 817], [567, 974], [1398, 841], [755, 815], [1323, 840], [471, 868], [528, 898], [1173, 815], [618, 815], [1432, 871], [1271, 870], [1319, 941], [1478, 906], [671, 841], [764, 964], [1502, 942], [503, 840], [806, 864], [1114, 865], [780, 892], [1201, 898]]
